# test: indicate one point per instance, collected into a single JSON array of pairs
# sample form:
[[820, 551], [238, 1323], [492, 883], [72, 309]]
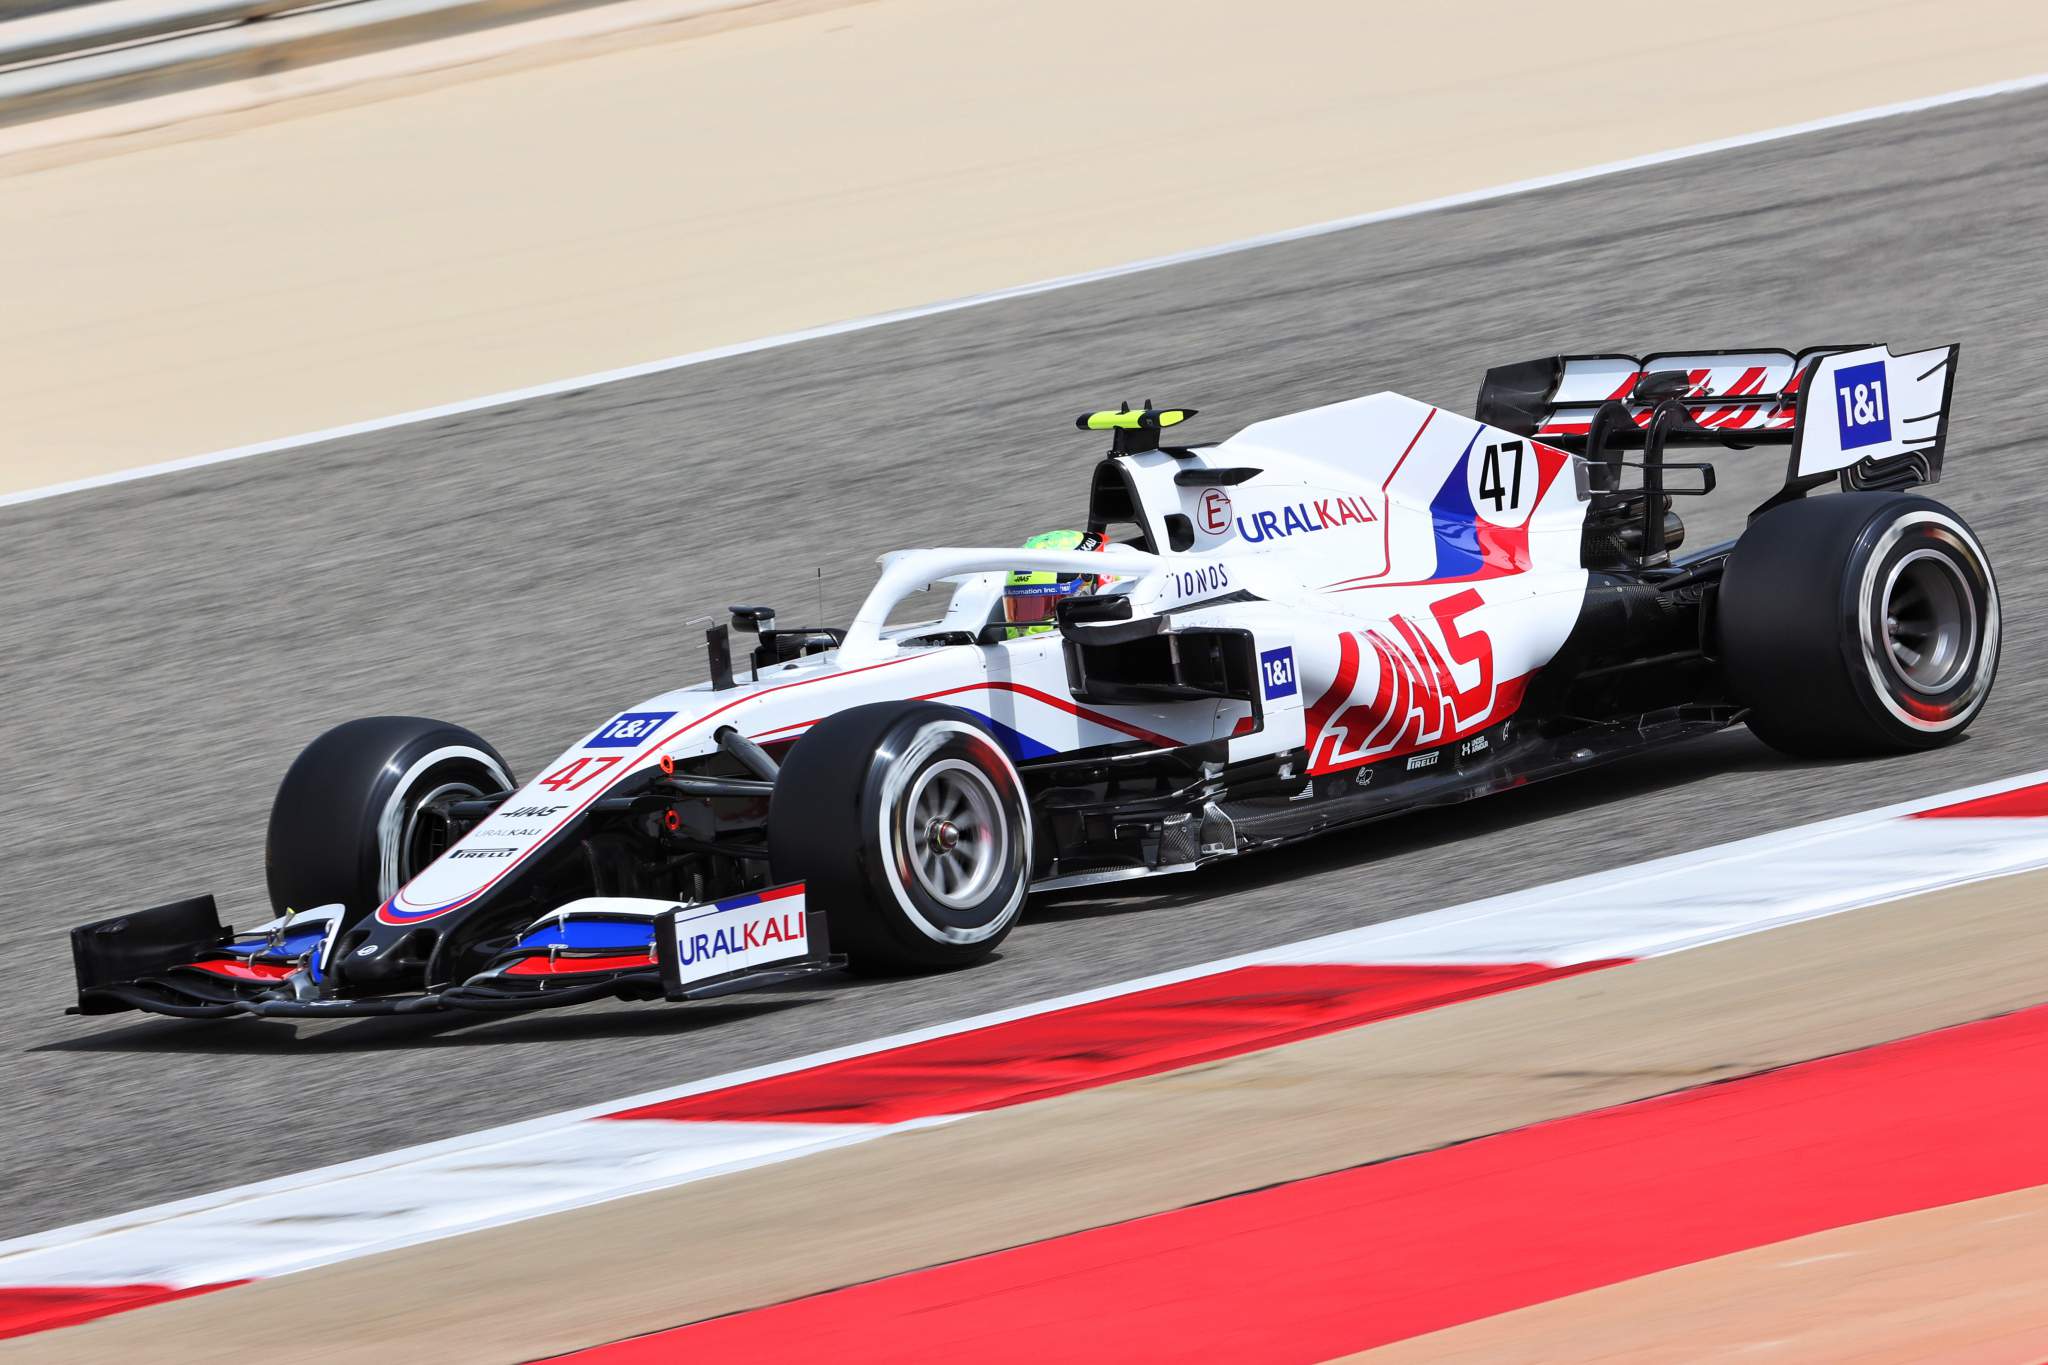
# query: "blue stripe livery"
[[603, 935], [1457, 523], [1018, 745]]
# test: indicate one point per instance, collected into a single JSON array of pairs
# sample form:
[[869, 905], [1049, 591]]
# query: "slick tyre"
[[348, 825], [909, 827], [1859, 623]]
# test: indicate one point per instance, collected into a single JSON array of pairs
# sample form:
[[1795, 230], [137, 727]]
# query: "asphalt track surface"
[[170, 644]]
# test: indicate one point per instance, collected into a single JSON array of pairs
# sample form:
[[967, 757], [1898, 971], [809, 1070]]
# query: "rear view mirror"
[[1089, 611], [752, 620]]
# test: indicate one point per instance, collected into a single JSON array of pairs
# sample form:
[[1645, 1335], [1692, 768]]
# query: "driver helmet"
[[1030, 597]]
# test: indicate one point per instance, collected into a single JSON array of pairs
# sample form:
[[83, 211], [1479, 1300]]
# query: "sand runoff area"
[[592, 203]]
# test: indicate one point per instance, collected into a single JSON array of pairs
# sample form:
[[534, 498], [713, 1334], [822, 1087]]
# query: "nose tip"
[[386, 965]]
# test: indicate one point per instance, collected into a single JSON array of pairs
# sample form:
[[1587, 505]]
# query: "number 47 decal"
[[572, 776], [1491, 484]]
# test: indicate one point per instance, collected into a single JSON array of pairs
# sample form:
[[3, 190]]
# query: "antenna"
[[821, 594]]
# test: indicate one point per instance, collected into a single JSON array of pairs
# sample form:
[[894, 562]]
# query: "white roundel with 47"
[[1501, 479]]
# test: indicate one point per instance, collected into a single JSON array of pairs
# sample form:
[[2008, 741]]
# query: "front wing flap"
[[136, 961], [669, 952]]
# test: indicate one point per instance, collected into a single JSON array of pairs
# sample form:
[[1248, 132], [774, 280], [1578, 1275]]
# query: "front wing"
[[178, 959]]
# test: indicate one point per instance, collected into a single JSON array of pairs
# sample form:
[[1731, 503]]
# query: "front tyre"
[[354, 820], [1859, 623], [909, 826]]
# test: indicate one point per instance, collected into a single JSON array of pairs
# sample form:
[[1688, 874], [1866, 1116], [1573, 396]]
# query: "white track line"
[[574, 1159], [602, 377]]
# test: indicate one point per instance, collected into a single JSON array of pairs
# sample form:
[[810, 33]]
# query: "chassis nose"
[[386, 961]]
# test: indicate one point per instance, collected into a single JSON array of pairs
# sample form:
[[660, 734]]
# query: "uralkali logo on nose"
[[1298, 518], [748, 931], [733, 940]]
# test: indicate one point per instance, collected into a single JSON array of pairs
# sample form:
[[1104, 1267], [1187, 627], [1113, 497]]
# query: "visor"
[[1033, 604]]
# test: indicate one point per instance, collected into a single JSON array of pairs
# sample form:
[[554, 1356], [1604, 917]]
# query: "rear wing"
[[1860, 413]]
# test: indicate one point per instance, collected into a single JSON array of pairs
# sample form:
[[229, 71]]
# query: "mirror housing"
[[1092, 610], [752, 620]]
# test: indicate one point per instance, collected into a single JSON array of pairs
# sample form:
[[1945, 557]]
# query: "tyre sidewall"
[[1802, 633], [1918, 719], [339, 824], [830, 827], [910, 749]]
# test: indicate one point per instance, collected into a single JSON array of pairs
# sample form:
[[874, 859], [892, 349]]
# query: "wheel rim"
[[955, 832], [453, 769], [427, 835], [1930, 621]]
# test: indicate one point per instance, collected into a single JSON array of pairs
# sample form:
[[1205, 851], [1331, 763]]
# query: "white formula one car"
[[1331, 617]]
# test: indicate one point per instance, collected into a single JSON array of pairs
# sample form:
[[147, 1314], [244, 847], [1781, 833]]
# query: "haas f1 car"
[[1328, 618]]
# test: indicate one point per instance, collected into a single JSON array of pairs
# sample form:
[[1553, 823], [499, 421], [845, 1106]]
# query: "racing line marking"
[[944, 1074], [677, 362]]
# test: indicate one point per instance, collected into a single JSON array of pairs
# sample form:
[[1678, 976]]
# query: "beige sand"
[[1964, 1285], [265, 274], [919, 1198]]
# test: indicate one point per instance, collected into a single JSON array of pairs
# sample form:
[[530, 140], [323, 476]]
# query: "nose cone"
[[390, 961]]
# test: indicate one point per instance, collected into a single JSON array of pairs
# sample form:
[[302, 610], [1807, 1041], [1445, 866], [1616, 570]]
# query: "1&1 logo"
[[1276, 667], [630, 731], [1865, 415]]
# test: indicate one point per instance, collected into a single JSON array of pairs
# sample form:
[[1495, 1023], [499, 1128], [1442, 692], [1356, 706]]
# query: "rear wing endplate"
[[1858, 413], [1870, 409]]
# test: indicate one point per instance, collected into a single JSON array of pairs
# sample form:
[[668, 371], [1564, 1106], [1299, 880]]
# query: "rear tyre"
[[1859, 623], [909, 827], [349, 825]]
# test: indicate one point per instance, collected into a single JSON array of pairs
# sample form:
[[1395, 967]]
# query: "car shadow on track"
[[1627, 780], [272, 1037]]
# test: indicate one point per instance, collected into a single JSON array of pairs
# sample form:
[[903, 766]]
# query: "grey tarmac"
[[169, 645]]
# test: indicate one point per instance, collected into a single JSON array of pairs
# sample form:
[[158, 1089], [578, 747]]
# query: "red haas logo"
[[1415, 700]]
